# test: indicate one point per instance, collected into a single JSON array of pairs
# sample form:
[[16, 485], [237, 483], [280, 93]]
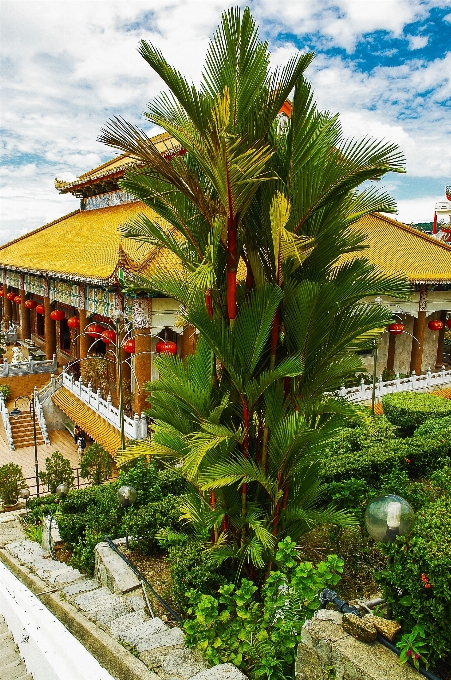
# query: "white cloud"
[[69, 66], [417, 42], [417, 209]]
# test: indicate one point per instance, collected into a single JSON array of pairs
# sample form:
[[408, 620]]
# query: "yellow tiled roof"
[[87, 245], [164, 143], [98, 429], [84, 244], [396, 248]]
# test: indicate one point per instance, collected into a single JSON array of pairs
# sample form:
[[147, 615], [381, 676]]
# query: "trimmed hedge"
[[417, 583], [409, 410], [417, 455]]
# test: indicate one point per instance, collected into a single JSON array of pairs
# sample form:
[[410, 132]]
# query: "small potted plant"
[[11, 483]]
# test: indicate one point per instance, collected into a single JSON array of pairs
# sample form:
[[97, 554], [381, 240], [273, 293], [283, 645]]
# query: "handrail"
[[143, 578], [412, 383], [6, 423]]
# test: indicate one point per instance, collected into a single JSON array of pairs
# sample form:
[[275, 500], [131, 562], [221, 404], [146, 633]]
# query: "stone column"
[[189, 341], [142, 321], [441, 341], [50, 330], [419, 326], [24, 316]]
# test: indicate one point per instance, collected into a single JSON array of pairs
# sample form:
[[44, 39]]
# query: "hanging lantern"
[[166, 347], [396, 328], [94, 330], [17, 299], [2, 292], [129, 346], [435, 325], [57, 315], [30, 304], [40, 309], [448, 323], [10, 296], [73, 322], [108, 336]]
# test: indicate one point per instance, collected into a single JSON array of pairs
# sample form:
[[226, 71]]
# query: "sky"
[[68, 66]]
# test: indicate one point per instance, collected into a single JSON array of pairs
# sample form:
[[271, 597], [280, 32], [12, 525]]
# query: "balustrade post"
[[136, 427], [98, 399], [398, 382], [413, 378], [443, 375], [380, 386], [5, 371], [89, 393], [342, 391], [80, 386], [108, 406], [428, 377], [143, 425]]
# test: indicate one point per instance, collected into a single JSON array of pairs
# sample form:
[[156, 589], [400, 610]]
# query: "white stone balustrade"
[[6, 424], [28, 367], [134, 428], [413, 383], [39, 413]]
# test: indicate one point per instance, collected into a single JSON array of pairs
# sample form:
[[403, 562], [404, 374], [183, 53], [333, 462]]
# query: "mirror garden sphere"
[[388, 517], [127, 496], [62, 490]]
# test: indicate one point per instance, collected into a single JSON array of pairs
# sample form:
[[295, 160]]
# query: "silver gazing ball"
[[388, 517], [127, 496], [25, 493], [62, 490]]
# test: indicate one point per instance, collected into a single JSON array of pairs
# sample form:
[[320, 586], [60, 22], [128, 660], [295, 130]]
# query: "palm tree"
[[247, 416]]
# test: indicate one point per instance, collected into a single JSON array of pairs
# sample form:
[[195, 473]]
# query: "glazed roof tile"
[[396, 248], [87, 245]]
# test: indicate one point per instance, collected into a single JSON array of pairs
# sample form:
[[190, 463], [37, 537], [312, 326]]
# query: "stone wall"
[[327, 651]]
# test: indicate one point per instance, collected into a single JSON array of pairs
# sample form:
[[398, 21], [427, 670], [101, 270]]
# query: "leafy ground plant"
[[256, 630], [413, 646], [58, 470]]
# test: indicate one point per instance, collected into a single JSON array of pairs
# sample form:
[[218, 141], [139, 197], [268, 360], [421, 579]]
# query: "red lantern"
[[57, 315], [396, 328], [435, 325], [167, 347], [30, 304], [73, 322], [2, 292], [129, 346], [448, 323], [40, 309], [94, 330], [17, 299], [10, 296], [108, 336]]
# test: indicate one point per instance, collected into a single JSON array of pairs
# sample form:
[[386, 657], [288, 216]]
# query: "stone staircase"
[[22, 431], [160, 647]]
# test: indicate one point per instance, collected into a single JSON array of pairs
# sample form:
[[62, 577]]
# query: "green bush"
[[417, 583], [11, 483], [144, 524], [58, 471], [409, 410], [5, 391], [259, 631], [144, 477], [438, 429], [96, 464], [417, 455], [192, 567], [171, 482]]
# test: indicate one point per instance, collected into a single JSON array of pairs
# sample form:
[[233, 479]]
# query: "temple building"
[[65, 277]]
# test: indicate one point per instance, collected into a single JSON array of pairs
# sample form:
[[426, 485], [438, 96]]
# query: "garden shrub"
[[58, 471], [96, 464], [409, 410], [5, 392], [417, 455], [11, 483], [438, 429], [417, 583], [143, 477], [258, 630], [144, 524], [192, 567], [171, 482]]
